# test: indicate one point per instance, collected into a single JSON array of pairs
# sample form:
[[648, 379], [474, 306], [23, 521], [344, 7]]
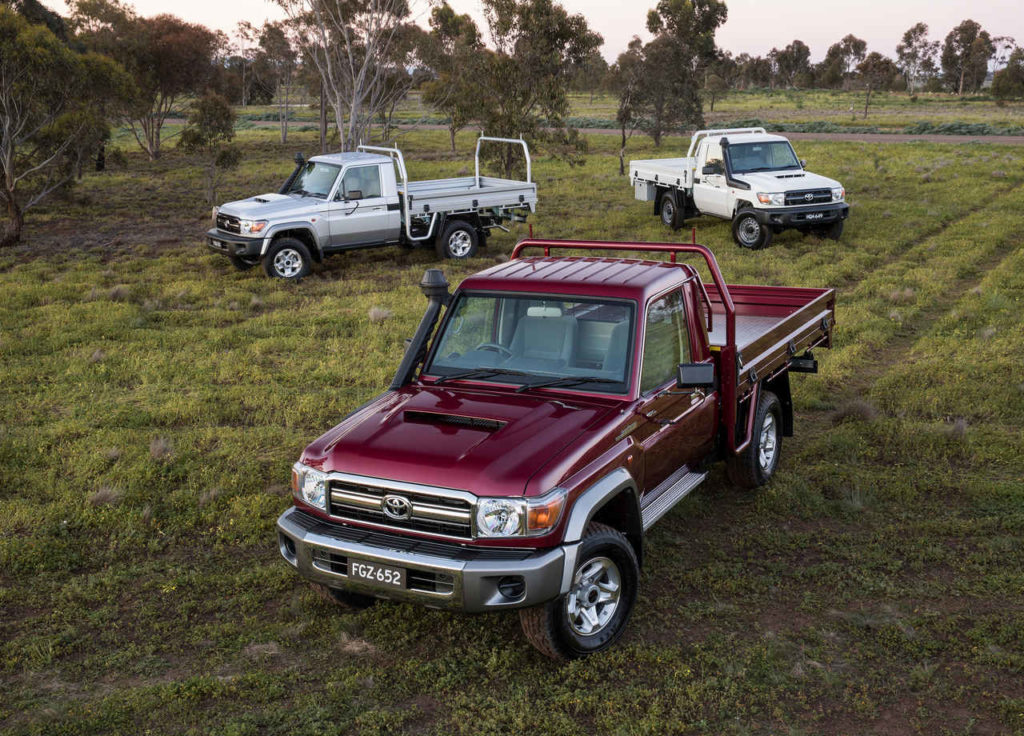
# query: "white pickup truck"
[[745, 175], [363, 199]]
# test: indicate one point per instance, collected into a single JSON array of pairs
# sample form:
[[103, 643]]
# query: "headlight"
[[777, 198], [507, 517], [838, 194], [500, 517], [251, 227], [310, 486]]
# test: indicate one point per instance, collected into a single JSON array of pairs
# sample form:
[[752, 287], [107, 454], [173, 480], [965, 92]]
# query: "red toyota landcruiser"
[[564, 405]]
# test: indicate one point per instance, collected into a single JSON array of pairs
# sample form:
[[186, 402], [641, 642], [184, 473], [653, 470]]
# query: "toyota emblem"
[[808, 196], [396, 507]]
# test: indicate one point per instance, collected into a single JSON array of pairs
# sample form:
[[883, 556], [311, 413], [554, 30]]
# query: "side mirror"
[[354, 194], [710, 170], [695, 375], [803, 163]]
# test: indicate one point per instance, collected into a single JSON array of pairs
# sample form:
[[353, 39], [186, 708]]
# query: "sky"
[[754, 26]]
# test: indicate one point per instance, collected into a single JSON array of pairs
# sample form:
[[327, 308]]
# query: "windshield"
[[315, 179], [536, 339], [748, 157]]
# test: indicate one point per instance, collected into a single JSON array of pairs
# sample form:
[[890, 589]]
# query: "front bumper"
[[231, 244], [438, 574], [804, 216]]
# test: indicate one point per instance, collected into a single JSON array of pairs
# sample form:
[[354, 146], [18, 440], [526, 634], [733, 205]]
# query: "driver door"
[[677, 422], [359, 213], [710, 191]]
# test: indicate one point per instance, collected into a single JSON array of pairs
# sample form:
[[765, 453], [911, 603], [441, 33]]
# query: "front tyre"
[[459, 239], [756, 465], [593, 614], [748, 232], [287, 258]]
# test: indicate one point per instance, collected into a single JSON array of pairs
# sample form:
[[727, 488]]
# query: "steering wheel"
[[496, 348]]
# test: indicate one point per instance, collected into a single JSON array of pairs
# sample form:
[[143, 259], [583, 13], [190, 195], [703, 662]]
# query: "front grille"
[[228, 223], [329, 561], [423, 580], [817, 196], [412, 545], [450, 517]]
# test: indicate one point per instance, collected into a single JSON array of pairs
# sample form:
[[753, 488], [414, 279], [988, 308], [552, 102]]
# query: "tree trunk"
[[11, 233], [867, 101], [622, 154], [451, 136], [101, 157], [963, 70], [283, 116], [323, 123]]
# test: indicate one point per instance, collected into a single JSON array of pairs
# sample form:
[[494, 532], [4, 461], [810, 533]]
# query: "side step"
[[676, 487]]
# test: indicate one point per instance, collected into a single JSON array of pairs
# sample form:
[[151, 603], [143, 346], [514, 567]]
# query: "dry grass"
[[106, 496], [376, 315]]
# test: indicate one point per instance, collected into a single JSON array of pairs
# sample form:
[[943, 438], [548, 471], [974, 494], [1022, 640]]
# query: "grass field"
[[153, 400], [890, 112]]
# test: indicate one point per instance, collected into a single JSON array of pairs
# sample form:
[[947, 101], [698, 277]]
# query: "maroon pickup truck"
[[563, 405]]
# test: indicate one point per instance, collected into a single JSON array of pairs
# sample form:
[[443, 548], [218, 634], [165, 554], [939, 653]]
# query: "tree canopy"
[[525, 81], [166, 57], [965, 55], [53, 101]]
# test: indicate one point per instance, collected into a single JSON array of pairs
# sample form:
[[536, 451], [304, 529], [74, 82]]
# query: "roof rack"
[[671, 248]]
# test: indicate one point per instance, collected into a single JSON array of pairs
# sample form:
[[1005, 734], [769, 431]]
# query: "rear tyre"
[[593, 614], [831, 232], [749, 233], [458, 240], [243, 264], [756, 465], [344, 597], [670, 211], [288, 259]]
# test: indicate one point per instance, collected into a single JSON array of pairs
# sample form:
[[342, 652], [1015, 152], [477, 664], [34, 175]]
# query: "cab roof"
[[351, 157], [622, 278], [752, 138]]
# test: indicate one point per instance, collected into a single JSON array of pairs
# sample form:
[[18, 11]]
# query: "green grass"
[[153, 400], [785, 110]]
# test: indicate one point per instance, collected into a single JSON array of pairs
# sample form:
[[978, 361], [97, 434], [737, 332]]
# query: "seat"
[[542, 343], [618, 350]]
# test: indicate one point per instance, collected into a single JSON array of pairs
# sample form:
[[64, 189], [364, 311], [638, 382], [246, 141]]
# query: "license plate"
[[390, 577], [815, 215]]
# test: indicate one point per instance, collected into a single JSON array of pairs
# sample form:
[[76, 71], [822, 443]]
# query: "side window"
[[364, 180], [715, 156], [667, 342]]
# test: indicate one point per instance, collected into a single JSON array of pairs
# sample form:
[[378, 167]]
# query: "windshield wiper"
[[481, 373], [565, 381]]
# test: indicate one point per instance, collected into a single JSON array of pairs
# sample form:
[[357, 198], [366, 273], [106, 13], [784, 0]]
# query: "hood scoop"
[[789, 176], [265, 198], [453, 420]]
